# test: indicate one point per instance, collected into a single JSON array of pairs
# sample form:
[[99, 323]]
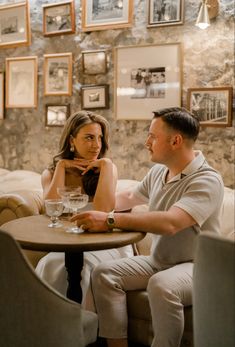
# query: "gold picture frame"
[[56, 115], [212, 106], [58, 74], [98, 15], [165, 13], [1, 95], [147, 78], [21, 82], [59, 18], [15, 25], [94, 62]]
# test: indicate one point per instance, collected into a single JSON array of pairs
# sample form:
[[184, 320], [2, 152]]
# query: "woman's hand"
[[97, 164]]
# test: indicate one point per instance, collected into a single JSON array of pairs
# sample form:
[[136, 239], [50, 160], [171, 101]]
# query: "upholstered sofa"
[[21, 195]]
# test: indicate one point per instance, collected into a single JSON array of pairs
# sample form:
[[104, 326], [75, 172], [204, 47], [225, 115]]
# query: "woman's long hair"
[[71, 128]]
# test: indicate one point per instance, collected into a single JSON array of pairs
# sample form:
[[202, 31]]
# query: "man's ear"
[[177, 140]]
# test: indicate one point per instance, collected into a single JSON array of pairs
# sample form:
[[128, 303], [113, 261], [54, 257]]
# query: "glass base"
[[74, 230], [55, 225]]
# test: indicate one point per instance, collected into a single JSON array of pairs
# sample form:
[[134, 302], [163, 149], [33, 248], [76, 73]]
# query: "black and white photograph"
[[212, 106], [148, 83], [59, 18], [21, 82], [165, 12], [95, 96], [14, 25], [58, 74], [56, 115], [94, 62], [106, 14]]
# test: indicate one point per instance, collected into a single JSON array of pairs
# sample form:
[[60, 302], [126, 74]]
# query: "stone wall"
[[208, 60]]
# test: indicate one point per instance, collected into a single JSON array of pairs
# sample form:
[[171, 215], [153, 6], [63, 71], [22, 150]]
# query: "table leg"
[[74, 265]]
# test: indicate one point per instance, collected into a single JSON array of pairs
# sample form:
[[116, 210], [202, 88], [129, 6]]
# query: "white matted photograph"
[[95, 96], [15, 25], [58, 74], [59, 18], [165, 12], [1, 95], [21, 82], [56, 115], [212, 106], [106, 14], [94, 62], [147, 78]]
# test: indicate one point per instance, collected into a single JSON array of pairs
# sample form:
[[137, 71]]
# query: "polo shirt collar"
[[192, 167]]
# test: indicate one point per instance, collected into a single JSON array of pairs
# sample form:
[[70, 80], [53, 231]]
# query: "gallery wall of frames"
[[119, 58]]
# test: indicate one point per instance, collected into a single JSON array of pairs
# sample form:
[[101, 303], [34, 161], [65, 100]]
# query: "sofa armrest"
[[20, 204]]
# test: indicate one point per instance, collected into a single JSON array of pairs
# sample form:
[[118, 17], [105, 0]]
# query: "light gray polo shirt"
[[198, 190]]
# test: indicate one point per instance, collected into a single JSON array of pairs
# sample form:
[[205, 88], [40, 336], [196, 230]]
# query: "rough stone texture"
[[208, 60]]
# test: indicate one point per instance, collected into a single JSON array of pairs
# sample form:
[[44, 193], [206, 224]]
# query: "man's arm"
[[125, 200], [156, 222]]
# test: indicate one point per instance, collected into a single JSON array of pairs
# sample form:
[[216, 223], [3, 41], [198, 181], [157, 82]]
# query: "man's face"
[[159, 141]]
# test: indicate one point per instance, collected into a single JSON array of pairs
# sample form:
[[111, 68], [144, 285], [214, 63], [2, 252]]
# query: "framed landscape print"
[[15, 25], [106, 14], [95, 97], [58, 18], [94, 62], [1, 95], [147, 79], [213, 106], [56, 115], [165, 13], [21, 82], [58, 74]]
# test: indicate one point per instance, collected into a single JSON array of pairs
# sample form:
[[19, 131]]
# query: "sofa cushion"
[[228, 214], [11, 181]]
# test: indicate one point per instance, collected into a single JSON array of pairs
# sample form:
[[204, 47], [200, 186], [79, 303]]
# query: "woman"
[[80, 162]]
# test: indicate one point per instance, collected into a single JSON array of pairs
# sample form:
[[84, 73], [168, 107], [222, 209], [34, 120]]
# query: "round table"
[[33, 233]]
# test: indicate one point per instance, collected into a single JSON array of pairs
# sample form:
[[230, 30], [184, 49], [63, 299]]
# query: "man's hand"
[[91, 221]]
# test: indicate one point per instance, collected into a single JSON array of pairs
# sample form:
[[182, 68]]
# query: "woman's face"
[[88, 141]]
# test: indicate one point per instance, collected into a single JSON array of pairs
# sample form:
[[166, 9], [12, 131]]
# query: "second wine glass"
[[76, 201]]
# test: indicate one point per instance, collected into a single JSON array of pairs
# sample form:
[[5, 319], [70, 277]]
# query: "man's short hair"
[[180, 119]]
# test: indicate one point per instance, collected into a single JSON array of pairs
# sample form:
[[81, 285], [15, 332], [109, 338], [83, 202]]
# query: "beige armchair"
[[34, 314]]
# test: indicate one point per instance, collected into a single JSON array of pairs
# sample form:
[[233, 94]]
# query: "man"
[[185, 196]]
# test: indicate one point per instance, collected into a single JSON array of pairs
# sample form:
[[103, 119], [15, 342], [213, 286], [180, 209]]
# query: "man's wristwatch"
[[110, 220]]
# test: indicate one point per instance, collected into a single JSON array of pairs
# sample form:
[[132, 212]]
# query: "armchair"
[[34, 314]]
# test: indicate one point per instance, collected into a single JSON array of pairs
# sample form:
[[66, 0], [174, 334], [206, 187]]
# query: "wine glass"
[[76, 201], [64, 192], [54, 209]]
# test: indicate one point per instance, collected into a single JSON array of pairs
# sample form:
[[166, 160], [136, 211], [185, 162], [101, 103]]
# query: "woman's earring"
[[72, 148]]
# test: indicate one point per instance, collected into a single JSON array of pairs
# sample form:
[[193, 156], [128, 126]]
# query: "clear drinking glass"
[[75, 201], [54, 209], [64, 192]]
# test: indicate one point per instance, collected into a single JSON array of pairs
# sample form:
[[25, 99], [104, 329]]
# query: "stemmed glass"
[[64, 192], [76, 201], [54, 209]]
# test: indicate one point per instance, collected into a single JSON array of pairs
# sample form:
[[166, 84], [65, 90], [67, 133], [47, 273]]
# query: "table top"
[[33, 233]]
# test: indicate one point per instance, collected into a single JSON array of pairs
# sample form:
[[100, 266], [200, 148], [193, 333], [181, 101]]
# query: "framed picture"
[[102, 14], [213, 106], [59, 18], [56, 115], [15, 25], [165, 13], [95, 97], [58, 74], [94, 62], [147, 79], [1, 95], [21, 82]]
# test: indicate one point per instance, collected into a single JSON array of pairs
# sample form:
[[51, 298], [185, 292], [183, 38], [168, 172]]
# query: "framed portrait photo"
[[94, 62], [1, 95], [102, 14], [95, 96], [15, 25], [58, 74], [147, 78], [59, 18], [165, 13], [213, 106], [56, 115], [21, 82]]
